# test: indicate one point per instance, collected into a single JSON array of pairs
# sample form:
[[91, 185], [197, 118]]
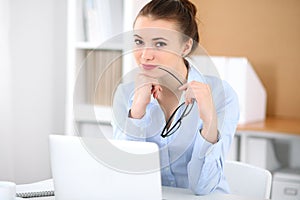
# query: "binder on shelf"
[[104, 71], [240, 74]]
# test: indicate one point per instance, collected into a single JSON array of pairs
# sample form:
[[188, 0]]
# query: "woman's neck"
[[168, 101], [170, 96]]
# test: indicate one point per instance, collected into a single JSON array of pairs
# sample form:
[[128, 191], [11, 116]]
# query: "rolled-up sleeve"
[[205, 169]]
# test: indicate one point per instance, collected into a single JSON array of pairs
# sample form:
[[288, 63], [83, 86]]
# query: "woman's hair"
[[182, 12]]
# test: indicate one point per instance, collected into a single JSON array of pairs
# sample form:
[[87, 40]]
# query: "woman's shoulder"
[[211, 78], [124, 90], [128, 86], [217, 85]]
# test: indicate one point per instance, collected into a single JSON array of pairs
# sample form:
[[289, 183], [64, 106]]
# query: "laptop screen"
[[94, 168]]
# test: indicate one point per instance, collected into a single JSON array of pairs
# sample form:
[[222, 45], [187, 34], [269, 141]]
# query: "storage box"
[[261, 153], [240, 74], [286, 184]]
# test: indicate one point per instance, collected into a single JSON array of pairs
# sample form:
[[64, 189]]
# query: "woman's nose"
[[147, 53]]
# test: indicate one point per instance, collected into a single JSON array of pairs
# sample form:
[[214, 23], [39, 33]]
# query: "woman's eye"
[[160, 44], [138, 42]]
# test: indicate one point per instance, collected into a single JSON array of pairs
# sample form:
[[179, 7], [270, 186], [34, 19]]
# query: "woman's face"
[[158, 43]]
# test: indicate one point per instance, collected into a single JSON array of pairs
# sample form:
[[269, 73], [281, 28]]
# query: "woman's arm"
[[128, 128], [205, 169]]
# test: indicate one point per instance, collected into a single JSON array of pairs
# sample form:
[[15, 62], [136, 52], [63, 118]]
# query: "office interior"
[[35, 52]]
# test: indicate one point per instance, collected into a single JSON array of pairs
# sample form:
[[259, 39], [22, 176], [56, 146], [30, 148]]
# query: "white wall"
[[6, 139], [36, 94]]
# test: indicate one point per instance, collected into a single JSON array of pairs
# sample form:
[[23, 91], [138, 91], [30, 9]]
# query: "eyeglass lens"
[[167, 132]]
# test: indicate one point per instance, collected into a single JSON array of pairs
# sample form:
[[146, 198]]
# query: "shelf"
[[273, 124], [98, 46], [271, 144], [87, 113]]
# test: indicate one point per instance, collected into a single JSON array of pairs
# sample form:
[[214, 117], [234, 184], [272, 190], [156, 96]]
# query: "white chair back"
[[248, 180]]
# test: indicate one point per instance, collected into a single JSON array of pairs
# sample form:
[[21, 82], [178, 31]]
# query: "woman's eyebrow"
[[159, 38], [154, 39], [136, 35]]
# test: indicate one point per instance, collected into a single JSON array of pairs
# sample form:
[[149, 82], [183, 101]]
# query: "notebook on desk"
[[90, 168], [36, 189]]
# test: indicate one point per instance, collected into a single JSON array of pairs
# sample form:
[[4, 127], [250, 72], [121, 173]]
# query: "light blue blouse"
[[187, 159]]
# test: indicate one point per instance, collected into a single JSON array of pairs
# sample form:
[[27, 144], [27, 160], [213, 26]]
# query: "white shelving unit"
[[122, 15], [276, 151], [270, 150]]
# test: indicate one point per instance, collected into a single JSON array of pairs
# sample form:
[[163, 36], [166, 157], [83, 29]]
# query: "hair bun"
[[189, 6], [182, 12]]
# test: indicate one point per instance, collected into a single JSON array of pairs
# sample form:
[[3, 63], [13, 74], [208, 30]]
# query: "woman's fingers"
[[202, 94], [156, 89], [189, 93]]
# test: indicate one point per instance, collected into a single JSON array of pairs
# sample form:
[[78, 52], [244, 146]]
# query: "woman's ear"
[[187, 47]]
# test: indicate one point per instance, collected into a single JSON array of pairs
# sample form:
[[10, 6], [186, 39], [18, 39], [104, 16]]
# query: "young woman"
[[190, 116]]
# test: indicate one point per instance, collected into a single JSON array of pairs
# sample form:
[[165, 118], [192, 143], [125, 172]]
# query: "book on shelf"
[[104, 71], [36, 189], [102, 19]]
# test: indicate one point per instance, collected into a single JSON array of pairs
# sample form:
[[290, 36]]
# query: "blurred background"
[[41, 39]]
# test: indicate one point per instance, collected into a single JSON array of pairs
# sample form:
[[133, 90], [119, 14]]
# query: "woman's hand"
[[146, 84], [202, 94]]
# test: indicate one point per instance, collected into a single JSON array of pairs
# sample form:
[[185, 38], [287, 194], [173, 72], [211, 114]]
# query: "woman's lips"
[[148, 67]]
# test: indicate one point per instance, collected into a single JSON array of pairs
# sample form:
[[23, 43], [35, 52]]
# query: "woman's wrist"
[[210, 131], [135, 115], [137, 111], [210, 135]]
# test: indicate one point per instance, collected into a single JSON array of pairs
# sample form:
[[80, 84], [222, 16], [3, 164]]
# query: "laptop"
[[99, 168]]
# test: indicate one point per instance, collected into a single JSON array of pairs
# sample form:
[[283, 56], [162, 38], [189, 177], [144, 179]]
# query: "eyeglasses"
[[167, 132]]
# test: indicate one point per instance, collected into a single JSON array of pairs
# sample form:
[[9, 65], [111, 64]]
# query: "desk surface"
[[272, 124], [170, 193]]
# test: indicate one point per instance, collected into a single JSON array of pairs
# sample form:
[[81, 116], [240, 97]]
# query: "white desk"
[[170, 193]]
